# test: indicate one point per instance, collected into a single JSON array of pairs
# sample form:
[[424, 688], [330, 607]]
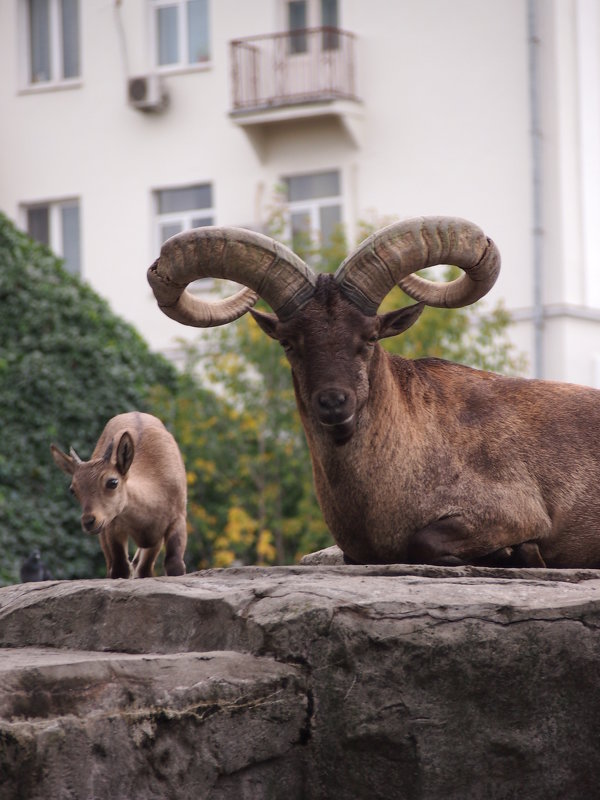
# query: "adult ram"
[[414, 460]]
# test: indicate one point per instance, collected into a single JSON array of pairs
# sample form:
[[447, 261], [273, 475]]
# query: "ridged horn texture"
[[74, 456], [391, 256], [265, 267]]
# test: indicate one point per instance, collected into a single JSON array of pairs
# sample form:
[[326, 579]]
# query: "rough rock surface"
[[303, 682]]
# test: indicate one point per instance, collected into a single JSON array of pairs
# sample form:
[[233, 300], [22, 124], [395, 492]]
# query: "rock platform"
[[314, 681]]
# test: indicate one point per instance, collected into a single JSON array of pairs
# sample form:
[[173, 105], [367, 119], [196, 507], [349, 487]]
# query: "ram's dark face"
[[330, 344], [327, 323]]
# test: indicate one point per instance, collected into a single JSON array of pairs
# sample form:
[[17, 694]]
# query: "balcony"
[[297, 74]]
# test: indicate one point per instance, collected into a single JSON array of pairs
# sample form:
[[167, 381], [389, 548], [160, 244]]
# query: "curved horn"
[[267, 268], [74, 456], [391, 255]]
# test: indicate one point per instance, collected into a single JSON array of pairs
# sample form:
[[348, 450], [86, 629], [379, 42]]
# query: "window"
[[296, 25], [52, 39], [303, 14], [181, 209], [57, 225], [315, 207], [329, 13], [181, 32], [329, 19]]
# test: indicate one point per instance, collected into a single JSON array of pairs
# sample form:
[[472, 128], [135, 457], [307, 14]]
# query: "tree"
[[67, 364]]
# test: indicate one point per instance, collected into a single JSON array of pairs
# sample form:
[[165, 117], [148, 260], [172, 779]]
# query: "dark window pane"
[[301, 233], [202, 222], [310, 187], [38, 224], [169, 229], [71, 238], [329, 19], [198, 45], [39, 41], [70, 38], [168, 47], [329, 13], [300, 222], [329, 219], [297, 22], [186, 199]]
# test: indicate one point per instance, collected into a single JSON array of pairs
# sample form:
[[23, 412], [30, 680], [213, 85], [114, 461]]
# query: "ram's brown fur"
[[445, 463], [423, 461], [134, 485]]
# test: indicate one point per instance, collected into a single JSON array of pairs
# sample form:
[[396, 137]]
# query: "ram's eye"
[[112, 483], [287, 345]]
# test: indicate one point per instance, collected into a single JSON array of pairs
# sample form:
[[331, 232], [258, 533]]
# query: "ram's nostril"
[[332, 399]]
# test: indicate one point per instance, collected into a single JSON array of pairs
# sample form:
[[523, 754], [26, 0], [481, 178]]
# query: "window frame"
[[312, 206], [314, 14], [300, 43], [186, 218], [182, 38], [56, 241], [56, 79]]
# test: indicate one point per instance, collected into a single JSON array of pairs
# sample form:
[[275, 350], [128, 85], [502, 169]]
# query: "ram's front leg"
[[525, 554], [448, 542]]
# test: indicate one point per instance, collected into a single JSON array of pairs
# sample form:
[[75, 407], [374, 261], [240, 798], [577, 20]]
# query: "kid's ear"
[[394, 322], [124, 453], [62, 460], [268, 322]]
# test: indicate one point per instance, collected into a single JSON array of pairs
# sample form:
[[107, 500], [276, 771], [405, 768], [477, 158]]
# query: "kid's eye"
[[112, 483]]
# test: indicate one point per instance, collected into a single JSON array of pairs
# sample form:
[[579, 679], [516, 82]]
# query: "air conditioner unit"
[[147, 93]]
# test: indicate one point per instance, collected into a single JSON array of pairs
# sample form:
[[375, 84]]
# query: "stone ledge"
[[400, 682], [333, 557], [86, 725], [257, 609]]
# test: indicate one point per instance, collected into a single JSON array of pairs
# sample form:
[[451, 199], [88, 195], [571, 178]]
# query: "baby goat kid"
[[134, 486]]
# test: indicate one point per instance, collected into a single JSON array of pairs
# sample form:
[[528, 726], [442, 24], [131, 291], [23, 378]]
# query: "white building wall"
[[444, 128]]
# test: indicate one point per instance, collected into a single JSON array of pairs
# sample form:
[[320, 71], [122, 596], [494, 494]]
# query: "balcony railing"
[[300, 66]]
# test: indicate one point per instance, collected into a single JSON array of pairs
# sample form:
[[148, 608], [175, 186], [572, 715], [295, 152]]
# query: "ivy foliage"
[[67, 364]]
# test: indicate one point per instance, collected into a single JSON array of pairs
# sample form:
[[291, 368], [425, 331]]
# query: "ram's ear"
[[395, 322], [268, 322]]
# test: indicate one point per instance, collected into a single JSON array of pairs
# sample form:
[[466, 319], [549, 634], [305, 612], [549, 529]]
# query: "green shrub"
[[67, 364]]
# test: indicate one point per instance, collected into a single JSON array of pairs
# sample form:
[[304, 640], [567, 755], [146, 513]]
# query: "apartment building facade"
[[125, 121]]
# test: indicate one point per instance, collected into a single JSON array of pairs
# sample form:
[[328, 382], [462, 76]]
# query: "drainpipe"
[[533, 46], [122, 37]]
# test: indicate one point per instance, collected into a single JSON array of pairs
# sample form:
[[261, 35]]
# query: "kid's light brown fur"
[[134, 485]]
